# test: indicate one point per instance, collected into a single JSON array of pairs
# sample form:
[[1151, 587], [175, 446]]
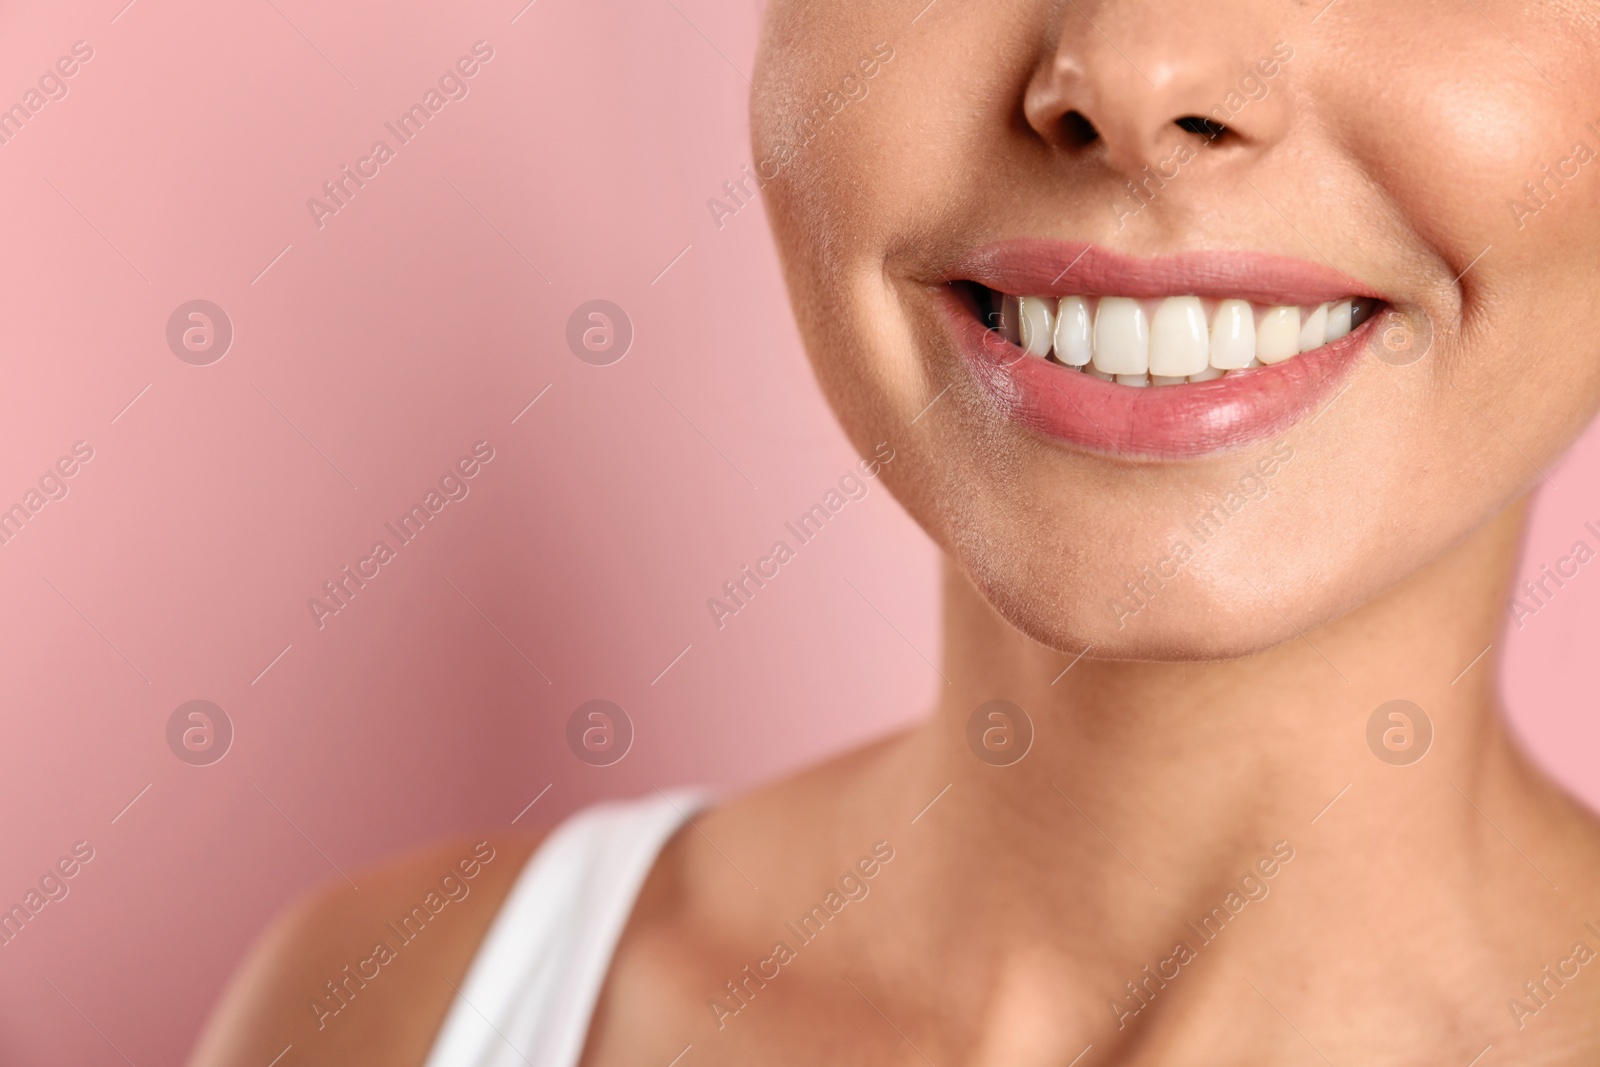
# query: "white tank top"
[[531, 991]]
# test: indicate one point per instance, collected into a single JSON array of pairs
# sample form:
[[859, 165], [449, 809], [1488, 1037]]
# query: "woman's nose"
[[1132, 80]]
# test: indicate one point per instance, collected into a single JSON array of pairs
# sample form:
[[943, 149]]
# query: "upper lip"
[[1041, 267]]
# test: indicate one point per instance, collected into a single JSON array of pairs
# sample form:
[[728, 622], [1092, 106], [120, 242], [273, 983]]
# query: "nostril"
[[1077, 130], [1211, 131]]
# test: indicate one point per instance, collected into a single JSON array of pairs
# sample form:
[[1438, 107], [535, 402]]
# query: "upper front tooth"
[[1339, 319], [1074, 337], [1179, 345], [1233, 335], [1036, 325], [1278, 334], [1314, 332], [1121, 337], [1116, 341]]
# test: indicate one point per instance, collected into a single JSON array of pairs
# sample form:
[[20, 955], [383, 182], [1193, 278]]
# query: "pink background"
[[422, 318]]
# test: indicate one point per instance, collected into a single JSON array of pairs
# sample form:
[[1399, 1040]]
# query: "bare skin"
[[1010, 916], [1210, 758], [391, 1019]]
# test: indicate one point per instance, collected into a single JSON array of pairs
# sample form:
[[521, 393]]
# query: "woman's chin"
[[1142, 622]]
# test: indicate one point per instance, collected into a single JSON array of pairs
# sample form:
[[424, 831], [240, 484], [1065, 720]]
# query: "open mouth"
[[1171, 340], [1081, 344]]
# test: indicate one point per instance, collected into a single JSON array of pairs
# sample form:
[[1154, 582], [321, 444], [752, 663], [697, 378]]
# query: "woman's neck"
[[1257, 735], [1151, 790], [1265, 741]]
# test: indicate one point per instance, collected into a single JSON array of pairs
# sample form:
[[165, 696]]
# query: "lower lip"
[[1158, 421]]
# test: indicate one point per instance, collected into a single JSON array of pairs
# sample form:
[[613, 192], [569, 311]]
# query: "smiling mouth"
[[1172, 340], [1254, 342]]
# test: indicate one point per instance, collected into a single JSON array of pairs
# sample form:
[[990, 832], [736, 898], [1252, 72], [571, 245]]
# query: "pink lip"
[[1156, 422], [1033, 267]]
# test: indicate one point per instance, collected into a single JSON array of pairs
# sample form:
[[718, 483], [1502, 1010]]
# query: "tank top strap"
[[531, 990]]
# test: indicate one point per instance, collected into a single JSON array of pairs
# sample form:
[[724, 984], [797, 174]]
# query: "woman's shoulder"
[[364, 971]]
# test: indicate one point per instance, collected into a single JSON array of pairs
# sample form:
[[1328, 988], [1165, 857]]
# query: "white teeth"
[[1167, 342], [1339, 313], [1037, 329], [1178, 342], [1314, 331], [1278, 335], [1074, 337], [1233, 335], [1121, 337]]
